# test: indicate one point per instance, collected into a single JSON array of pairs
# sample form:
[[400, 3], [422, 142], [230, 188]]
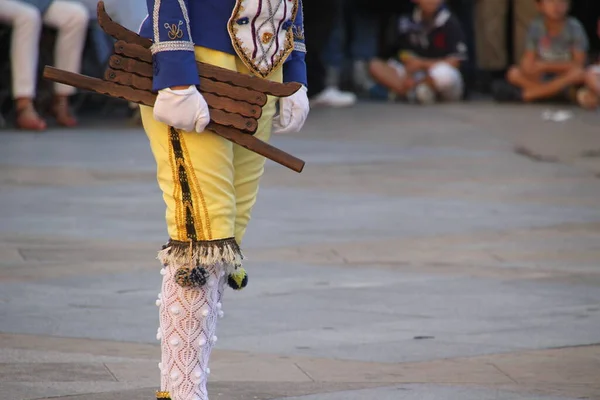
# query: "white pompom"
[[163, 271], [205, 312], [207, 371], [175, 310], [221, 314], [214, 339], [174, 342], [202, 342], [174, 375], [158, 302], [158, 335], [219, 305]]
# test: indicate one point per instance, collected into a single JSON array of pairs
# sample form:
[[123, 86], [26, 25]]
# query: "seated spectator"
[[554, 58], [26, 18], [589, 96], [430, 50]]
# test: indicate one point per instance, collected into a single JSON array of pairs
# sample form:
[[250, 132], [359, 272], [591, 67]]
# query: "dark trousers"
[[319, 17]]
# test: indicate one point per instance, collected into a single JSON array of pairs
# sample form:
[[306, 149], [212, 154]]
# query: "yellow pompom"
[[238, 279]]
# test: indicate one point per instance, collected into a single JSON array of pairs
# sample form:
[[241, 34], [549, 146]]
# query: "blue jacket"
[[265, 34]]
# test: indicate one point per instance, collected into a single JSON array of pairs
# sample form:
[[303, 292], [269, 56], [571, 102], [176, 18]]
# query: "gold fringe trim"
[[202, 252]]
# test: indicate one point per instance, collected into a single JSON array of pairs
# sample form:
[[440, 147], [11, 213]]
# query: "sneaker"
[[424, 94], [505, 92], [333, 97]]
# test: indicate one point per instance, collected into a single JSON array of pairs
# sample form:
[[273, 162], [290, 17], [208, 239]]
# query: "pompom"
[[199, 276], [238, 279], [186, 277]]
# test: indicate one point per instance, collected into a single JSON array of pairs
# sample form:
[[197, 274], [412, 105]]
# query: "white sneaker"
[[333, 97]]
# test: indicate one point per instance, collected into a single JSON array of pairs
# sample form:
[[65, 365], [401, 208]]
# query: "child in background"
[[554, 60], [589, 96], [431, 47]]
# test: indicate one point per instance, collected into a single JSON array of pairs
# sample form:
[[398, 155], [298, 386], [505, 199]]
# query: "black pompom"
[[194, 277], [198, 276], [238, 279]]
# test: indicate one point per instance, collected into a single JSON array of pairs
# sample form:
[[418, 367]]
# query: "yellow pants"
[[209, 184]]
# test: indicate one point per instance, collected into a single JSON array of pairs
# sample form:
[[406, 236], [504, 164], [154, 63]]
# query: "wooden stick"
[[131, 50], [147, 98], [214, 101], [117, 31], [206, 86]]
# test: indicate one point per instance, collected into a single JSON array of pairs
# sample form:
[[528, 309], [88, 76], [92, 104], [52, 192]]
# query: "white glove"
[[183, 109], [293, 111]]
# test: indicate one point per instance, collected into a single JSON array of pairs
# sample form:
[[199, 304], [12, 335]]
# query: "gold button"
[[266, 37]]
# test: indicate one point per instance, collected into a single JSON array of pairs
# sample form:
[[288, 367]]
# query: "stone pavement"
[[418, 256]]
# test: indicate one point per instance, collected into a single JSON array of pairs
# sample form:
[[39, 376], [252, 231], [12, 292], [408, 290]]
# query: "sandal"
[[61, 111], [28, 119]]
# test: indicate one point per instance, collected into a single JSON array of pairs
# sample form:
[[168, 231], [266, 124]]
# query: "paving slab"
[[417, 256]]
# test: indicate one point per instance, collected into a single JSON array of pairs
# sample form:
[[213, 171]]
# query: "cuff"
[[174, 68], [294, 70]]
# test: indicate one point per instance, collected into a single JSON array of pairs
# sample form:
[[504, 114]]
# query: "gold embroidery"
[[198, 195], [176, 190], [174, 31]]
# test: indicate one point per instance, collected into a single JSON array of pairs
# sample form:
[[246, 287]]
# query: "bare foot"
[[62, 112], [27, 117]]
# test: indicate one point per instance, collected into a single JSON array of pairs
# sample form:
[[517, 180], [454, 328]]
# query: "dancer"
[[209, 184]]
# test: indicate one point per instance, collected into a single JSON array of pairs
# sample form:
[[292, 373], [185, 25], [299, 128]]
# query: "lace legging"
[[188, 321]]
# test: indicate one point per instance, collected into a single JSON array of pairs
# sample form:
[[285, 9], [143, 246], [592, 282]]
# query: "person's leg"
[[26, 23], [523, 13], [490, 17], [390, 74], [592, 79], [333, 52], [196, 175], [71, 19], [363, 45], [318, 21], [517, 77], [323, 80], [517, 80], [536, 89], [249, 166], [447, 81]]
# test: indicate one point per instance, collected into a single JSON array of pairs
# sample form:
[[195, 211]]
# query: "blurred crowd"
[[425, 51], [416, 51]]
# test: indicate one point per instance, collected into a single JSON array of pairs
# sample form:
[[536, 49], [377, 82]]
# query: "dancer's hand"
[[293, 111], [183, 109]]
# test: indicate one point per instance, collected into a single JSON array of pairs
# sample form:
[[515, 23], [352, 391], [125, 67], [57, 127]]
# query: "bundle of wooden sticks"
[[235, 100]]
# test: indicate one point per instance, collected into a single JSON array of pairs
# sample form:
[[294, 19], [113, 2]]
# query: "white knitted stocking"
[[188, 321]]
